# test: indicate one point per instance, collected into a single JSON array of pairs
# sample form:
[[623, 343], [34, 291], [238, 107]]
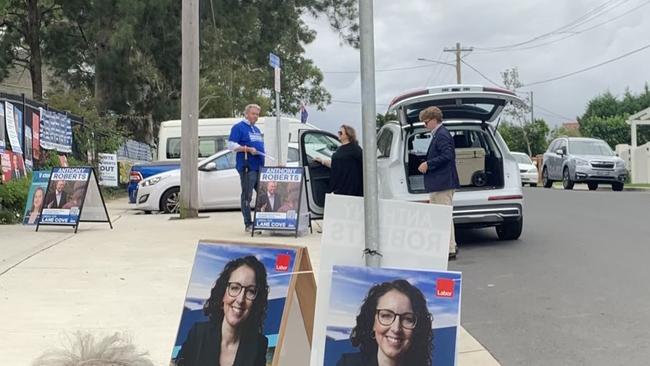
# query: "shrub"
[[13, 196]]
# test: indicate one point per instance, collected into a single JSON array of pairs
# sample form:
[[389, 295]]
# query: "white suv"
[[490, 192]]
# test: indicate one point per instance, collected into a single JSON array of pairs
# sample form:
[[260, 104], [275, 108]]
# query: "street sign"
[[274, 60], [276, 85]]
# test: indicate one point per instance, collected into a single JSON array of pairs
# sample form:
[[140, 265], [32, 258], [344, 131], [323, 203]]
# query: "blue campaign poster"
[[278, 200], [36, 197], [65, 195], [425, 304], [215, 266]]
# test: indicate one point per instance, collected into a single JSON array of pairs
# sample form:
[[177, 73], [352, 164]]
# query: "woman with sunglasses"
[[237, 308], [346, 176], [393, 328]]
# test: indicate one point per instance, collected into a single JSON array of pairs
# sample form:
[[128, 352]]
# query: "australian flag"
[[303, 113]]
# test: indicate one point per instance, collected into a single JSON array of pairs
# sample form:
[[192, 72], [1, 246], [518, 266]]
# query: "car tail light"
[[509, 197], [135, 176]]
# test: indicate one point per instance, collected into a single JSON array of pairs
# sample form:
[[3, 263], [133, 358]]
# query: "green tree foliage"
[[606, 115], [517, 114], [23, 25], [128, 54], [536, 135], [563, 131], [382, 119]]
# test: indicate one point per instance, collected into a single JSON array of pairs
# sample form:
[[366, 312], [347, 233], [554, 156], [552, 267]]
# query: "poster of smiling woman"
[[234, 311], [380, 316]]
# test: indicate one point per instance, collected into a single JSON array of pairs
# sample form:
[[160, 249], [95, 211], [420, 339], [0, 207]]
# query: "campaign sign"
[[413, 315], [36, 197], [65, 195], [278, 198], [108, 170]]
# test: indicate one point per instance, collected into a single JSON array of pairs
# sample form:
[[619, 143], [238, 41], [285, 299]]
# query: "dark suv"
[[582, 160]]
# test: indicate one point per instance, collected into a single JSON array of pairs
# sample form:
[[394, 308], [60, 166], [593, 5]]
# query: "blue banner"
[[278, 201], [56, 131]]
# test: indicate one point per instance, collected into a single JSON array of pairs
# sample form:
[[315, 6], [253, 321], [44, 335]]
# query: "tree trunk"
[[34, 43], [148, 130]]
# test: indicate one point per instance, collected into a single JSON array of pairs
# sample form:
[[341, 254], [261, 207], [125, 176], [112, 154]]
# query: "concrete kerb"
[[131, 279]]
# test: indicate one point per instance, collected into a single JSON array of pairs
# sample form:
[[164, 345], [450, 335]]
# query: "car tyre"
[[592, 186], [545, 180], [169, 203], [567, 183], [510, 230], [617, 186]]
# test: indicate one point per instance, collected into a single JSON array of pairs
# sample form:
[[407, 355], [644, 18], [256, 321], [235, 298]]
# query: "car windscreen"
[[522, 159], [590, 148]]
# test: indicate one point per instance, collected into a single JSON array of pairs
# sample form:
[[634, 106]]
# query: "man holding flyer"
[[247, 141]]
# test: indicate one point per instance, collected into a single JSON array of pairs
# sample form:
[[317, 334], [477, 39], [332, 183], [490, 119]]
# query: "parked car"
[[213, 137], [490, 192], [219, 186], [582, 160], [527, 169]]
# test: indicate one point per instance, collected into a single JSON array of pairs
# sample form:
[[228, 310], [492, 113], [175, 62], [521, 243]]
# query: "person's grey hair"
[[85, 350], [251, 106]]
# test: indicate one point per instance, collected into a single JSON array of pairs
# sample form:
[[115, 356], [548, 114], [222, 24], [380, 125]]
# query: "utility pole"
[[532, 115], [369, 123], [189, 110], [458, 51]]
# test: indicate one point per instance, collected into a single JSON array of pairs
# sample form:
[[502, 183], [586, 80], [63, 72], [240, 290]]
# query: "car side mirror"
[[559, 152], [211, 166]]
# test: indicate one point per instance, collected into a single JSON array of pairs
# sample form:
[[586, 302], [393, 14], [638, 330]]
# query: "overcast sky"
[[594, 32]]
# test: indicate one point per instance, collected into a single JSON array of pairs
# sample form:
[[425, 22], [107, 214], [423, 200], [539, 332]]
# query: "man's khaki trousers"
[[445, 198]]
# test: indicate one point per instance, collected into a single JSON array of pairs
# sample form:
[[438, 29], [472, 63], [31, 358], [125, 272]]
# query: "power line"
[[480, 73], [379, 70], [552, 113], [573, 34], [585, 18], [590, 67]]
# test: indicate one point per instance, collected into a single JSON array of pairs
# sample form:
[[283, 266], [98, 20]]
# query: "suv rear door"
[[313, 144], [457, 102]]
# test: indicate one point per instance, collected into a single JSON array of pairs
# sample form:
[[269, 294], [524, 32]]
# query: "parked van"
[[213, 134]]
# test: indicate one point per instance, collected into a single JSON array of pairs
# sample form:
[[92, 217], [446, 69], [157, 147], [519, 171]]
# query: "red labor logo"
[[444, 287], [282, 262]]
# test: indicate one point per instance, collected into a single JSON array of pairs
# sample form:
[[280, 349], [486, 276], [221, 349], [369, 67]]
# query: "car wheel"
[[510, 230], [545, 181], [567, 183], [533, 184], [617, 186], [169, 203], [592, 186]]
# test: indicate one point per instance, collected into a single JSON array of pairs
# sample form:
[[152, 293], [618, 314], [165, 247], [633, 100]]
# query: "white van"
[[214, 132]]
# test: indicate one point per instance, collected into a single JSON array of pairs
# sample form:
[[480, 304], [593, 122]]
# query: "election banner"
[[108, 173], [12, 128], [278, 199], [2, 127], [36, 197], [69, 191], [56, 131], [36, 138], [5, 157], [251, 288], [412, 315], [29, 164]]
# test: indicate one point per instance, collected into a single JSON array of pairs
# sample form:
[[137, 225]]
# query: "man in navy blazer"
[[440, 175]]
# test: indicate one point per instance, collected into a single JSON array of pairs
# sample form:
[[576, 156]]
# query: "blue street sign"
[[274, 60]]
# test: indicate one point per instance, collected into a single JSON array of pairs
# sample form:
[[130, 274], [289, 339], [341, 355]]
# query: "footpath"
[[130, 279]]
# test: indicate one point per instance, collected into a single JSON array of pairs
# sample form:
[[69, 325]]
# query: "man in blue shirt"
[[247, 141]]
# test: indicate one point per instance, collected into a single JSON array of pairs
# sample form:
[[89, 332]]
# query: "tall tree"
[[536, 136], [23, 24], [517, 113]]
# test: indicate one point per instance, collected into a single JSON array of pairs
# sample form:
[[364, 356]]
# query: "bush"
[[13, 196]]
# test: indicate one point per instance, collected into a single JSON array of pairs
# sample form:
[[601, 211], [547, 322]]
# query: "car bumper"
[[489, 215], [587, 174], [148, 198], [132, 189], [529, 177]]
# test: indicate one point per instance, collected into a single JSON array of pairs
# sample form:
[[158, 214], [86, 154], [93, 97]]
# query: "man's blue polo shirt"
[[245, 134]]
